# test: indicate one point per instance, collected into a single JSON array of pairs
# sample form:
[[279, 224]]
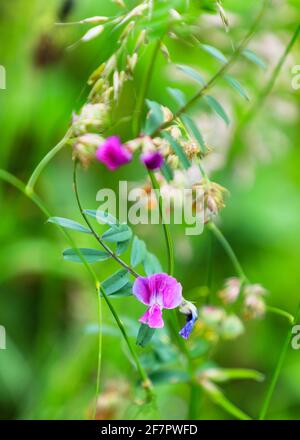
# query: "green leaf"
[[115, 282], [144, 335], [122, 246], [216, 106], [192, 73], [123, 291], [117, 234], [227, 374], [151, 264], [216, 53], [177, 149], [193, 130], [138, 252], [178, 95], [167, 171], [217, 396], [169, 376], [155, 118], [90, 255], [254, 58], [102, 216], [69, 224], [237, 86]]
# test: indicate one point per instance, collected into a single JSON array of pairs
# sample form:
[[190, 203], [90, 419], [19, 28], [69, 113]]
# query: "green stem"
[[280, 312], [166, 228], [228, 249], [44, 162], [99, 359], [98, 238], [277, 370], [12, 180], [219, 73], [138, 113], [258, 104], [18, 184]]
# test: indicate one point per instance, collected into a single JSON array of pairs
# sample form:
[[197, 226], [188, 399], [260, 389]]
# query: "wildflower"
[[113, 154], [85, 147], [254, 304], [92, 117], [231, 327], [188, 309], [212, 315], [159, 291], [231, 290], [152, 160]]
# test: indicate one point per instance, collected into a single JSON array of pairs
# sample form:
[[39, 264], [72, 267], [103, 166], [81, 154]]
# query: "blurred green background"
[[49, 367]]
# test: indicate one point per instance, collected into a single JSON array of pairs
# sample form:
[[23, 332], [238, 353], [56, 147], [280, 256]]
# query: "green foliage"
[[90, 255], [69, 224]]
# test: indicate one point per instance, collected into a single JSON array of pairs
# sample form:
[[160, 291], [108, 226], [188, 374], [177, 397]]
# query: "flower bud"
[[231, 327], [231, 290]]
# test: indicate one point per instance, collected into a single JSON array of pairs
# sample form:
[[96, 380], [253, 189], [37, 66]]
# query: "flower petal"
[[142, 291], [168, 291], [113, 154], [153, 317], [152, 160]]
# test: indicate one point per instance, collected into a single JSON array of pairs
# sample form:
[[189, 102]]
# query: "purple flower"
[[159, 291], [152, 160], [113, 154], [188, 309]]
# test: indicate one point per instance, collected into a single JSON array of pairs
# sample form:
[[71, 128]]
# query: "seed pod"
[[92, 33]]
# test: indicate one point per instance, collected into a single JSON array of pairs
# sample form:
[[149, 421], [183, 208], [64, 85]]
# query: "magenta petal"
[[153, 317], [113, 154], [169, 291], [141, 290], [152, 160]]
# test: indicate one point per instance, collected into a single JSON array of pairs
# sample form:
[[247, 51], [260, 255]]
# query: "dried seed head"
[[92, 33], [85, 147], [94, 20]]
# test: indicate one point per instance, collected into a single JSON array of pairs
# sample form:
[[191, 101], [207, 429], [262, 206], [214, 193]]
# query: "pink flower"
[[152, 160], [159, 291], [113, 154]]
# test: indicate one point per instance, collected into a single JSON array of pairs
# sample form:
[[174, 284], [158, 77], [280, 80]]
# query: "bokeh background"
[[48, 306]]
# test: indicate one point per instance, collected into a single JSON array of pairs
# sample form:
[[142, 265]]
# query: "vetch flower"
[[113, 154], [188, 309], [152, 160], [159, 291]]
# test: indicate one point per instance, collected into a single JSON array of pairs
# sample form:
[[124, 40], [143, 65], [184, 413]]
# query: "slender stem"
[[138, 113], [44, 162], [146, 383], [219, 73], [258, 104], [278, 368], [12, 180], [98, 238], [166, 228], [99, 359], [18, 184], [280, 312], [228, 249]]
